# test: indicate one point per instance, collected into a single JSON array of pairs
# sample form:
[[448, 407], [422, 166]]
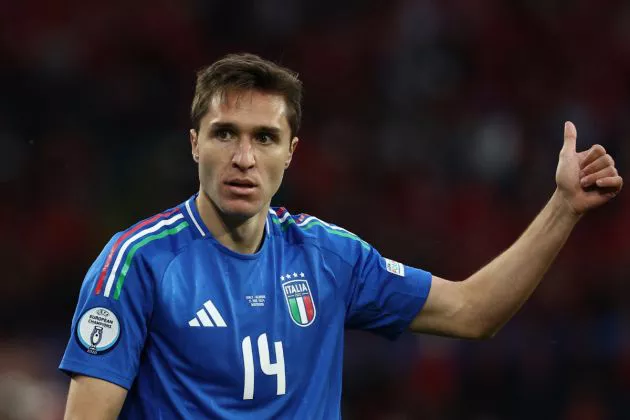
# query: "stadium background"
[[431, 128]]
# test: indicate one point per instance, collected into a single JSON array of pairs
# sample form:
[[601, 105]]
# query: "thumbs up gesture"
[[587, 179]]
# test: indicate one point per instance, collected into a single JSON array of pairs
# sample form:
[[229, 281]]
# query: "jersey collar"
[[190, 208]]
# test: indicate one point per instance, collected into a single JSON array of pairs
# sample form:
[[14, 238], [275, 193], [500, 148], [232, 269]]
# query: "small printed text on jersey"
[[395, 267]]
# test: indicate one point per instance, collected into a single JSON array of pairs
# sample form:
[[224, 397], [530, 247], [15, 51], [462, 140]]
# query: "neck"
[[237, 234]]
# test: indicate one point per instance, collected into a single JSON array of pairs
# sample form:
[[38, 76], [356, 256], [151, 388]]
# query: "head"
[[245, 117]]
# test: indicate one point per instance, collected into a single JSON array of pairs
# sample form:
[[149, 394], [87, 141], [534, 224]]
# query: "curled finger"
[[597, 165], [612, 182], [590, 155], [607, 172]]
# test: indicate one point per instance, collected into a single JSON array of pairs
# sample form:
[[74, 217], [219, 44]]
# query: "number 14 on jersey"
[[266, 366]]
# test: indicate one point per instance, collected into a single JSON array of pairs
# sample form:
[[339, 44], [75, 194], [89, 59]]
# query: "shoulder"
[[152, 239], [155, 241], [166, 232], [304, 228]]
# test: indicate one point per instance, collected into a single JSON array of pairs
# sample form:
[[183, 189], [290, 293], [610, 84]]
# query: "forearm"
[[479, 306], [494, 293]]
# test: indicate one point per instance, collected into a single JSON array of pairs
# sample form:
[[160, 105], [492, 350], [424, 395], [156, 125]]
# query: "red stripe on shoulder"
[[108, 261]]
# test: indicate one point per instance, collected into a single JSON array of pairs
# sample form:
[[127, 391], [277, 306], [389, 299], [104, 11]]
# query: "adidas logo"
[[208, 316]]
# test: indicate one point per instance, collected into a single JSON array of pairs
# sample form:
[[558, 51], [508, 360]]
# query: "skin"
[[244, 136], [480, 305], [474, 308], [94, 399]]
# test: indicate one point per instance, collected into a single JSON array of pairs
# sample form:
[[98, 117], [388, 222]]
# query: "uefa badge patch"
[[98, 330], [299, 300]]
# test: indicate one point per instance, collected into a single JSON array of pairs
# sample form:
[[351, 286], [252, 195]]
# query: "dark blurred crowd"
[[431, 129]]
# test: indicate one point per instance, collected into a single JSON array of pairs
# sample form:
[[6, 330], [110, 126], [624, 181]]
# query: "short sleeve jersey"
[[195, 330]]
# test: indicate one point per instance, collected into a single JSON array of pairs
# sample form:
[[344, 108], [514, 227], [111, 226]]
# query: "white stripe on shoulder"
[[310, 218], [284, 217], [192, 216], [128, 242]]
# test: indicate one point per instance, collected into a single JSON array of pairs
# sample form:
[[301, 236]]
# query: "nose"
[[244, 155]]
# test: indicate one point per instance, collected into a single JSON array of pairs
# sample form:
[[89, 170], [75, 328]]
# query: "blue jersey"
[[195, 330]]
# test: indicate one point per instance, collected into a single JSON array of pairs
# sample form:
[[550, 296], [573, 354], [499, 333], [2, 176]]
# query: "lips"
[[241, 186], [241, 183]]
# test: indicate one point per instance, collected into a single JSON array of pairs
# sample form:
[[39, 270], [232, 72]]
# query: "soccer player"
[[222, 307]]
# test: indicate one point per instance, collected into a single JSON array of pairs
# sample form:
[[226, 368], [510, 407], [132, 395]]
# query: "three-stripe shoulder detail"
[[284, 220], [120, 257]]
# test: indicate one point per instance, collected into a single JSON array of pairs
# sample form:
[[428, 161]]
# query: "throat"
[[241, 235], [244, 239]]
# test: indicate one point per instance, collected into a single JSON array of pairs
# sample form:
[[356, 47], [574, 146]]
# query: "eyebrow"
[[233, 127]]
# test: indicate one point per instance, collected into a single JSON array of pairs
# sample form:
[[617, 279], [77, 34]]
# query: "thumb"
[[570, 137]]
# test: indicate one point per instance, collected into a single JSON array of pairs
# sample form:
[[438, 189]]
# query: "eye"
[[223, 134], [265, 138]]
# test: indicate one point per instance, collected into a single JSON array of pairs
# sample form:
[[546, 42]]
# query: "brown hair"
[[247, 71]]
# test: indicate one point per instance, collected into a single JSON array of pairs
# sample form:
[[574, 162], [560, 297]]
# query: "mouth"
[[240, 186]]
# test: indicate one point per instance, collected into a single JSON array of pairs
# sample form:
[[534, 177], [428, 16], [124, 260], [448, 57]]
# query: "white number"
[[266, 366], [248, 359]]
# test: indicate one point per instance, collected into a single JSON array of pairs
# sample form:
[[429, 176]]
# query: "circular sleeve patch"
[[98, 330]]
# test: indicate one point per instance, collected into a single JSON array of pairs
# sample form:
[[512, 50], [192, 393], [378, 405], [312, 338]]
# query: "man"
[[222, 307]]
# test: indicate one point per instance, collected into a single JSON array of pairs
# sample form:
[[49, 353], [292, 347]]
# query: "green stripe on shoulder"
[[137, 246], [316, 222]]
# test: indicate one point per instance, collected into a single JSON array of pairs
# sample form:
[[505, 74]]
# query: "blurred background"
[[431, 129]]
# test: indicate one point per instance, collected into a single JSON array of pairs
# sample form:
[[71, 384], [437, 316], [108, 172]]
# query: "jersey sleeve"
[[384, 295], [109, 326]]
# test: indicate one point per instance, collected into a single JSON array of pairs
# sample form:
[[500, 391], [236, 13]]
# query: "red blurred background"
[[431, 129]]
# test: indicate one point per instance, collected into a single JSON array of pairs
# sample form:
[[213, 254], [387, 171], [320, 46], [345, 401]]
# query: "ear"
[[292, 147], [194, 144]]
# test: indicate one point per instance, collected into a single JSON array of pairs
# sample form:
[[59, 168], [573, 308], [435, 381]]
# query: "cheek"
[[275, 174], [205, 160], [207, 168]]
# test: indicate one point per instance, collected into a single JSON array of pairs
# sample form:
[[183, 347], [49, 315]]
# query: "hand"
[[587, 179]]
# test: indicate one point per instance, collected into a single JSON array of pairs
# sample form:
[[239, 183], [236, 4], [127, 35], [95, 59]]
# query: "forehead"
[[248, 108]]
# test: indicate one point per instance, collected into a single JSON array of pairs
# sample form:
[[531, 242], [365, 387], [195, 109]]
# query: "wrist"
[[563, 209]]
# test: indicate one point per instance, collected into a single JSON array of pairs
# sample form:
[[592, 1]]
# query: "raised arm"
[[91, 398], [480, 305]]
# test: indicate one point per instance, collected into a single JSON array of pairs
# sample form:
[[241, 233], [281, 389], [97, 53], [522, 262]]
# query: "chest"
[[283, 293], [246, 321]]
